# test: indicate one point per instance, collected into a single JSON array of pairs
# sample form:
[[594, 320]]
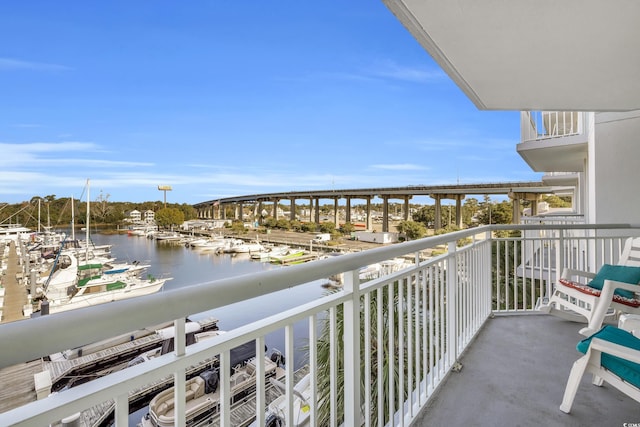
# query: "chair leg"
[[577, 371], [597, 381]]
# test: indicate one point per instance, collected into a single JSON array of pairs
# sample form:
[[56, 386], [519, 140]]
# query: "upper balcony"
[[419, 325], [553, 141]]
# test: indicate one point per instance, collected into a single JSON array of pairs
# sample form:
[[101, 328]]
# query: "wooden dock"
[[17, 384], [15, 293]]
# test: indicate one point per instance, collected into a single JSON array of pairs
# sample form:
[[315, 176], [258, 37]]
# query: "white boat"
[[193, 335], [275, 415], [167, 236], [238, 246], [14, 232], [63, 291], [64, 275], [268, 252], [203, 394], [289, 257], [215, 245], [106, 289]]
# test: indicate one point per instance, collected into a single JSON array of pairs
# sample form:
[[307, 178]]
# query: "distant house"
[[149, 216], [135, 216]]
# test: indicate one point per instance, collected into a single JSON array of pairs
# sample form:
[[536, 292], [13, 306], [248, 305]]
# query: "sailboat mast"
[[87, 224], [73, 221]]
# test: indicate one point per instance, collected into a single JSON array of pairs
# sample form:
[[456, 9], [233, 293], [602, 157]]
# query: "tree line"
[[58, 212]]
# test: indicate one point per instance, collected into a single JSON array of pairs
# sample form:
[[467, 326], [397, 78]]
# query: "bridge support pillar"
[[347, 212], [369, 220], [437, 221], [406, 207], [385, 214], [275, 208], [534, 198], [317, 212], [292, 214], [438, 214], [336, 219]]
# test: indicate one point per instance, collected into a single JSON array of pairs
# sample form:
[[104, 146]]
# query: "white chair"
[[611, 355], [575, 297]]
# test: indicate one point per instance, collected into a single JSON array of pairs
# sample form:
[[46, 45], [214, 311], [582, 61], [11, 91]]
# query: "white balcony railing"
[[410, 325], [540, 125]]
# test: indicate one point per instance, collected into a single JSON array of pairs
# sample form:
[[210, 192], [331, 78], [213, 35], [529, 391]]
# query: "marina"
[[34, 380]]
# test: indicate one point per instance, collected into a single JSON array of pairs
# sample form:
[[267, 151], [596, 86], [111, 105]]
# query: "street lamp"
[[164, 188]]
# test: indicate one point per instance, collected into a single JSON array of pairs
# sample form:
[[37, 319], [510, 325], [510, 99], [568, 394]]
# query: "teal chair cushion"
[[619, 273], [628, 371]]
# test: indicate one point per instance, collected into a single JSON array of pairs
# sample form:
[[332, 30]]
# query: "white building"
[[135, 216], [149, 216], [572, 57]]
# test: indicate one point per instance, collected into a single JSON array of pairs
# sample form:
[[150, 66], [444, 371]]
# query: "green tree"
[[496, 213], [324, 351], [188, 211], [347, 228], [327, 227], [309, 227], [557, 202], [411, 229], [238, 227], [283, 224], [169, 217], [270, 222]]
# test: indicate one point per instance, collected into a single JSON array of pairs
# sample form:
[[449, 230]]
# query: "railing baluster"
[[122, 410], [313, 370], [423, 318]]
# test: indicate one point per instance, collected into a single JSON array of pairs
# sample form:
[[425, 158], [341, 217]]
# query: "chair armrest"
[[617, 350], [612, 285], [568, 273], [606, 296]]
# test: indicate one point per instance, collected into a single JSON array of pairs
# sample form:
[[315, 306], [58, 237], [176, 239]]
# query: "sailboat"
[[65, 290]]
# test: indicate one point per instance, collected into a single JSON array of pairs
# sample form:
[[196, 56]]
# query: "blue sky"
[[219, 98]]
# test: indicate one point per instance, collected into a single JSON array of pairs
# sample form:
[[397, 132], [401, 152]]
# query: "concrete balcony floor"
[[514, 374]]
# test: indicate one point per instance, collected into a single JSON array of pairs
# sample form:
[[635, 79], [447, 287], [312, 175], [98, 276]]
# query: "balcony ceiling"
[[533, 55]]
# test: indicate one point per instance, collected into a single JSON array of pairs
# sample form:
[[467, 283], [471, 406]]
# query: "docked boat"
[[203, 393], [194, 334], [14, 232], [275, 415], [106, 288], [287, 258], [63, 290], [239, 246], [270, 251]]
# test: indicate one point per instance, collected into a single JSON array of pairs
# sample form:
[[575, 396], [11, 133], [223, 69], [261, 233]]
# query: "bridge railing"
[[410, 324]]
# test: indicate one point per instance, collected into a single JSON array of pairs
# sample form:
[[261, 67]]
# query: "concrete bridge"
[[517, 191]]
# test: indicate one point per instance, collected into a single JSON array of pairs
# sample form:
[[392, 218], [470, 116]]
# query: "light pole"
[[164, 188]]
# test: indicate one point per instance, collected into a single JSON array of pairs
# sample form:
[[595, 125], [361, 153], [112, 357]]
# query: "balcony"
[[553, 141], [514, 365]]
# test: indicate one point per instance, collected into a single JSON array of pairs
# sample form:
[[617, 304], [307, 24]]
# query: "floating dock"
[[26, 382], [14, 293]]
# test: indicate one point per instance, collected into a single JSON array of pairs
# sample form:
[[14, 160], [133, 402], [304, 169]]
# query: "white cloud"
[[9, 64], [391, 70], [399, 167]]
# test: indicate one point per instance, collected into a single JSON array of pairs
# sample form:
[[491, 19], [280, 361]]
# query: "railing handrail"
[[459, 288], [121, 317]]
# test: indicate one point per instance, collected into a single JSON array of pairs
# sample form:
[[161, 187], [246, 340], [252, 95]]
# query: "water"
[[189, 267]]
